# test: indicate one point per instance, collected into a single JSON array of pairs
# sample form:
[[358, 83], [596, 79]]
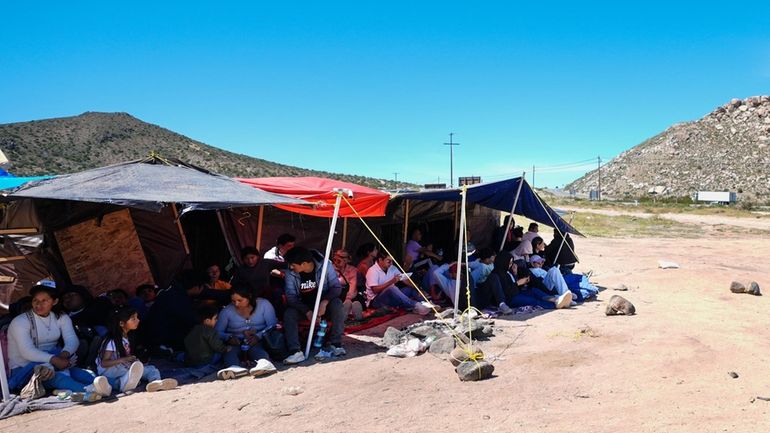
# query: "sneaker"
[[263, 368], [503, 308], [564, 300], [231, 372], [573, 304], [62, 394], [161, 385], [130, 380], [323, 355], [101, 386], [338, 351], [85, 397], [420, 309], [295, 358]]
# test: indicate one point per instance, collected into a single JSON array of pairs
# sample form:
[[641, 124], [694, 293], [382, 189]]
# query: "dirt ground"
[[663, 370]]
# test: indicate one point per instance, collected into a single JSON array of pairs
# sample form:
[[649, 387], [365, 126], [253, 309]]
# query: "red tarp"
[[368, 202]]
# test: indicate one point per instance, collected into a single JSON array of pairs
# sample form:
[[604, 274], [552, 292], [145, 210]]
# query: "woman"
[[367, 254], [242, 325], [33, 348], [538, 246], [509, 290]]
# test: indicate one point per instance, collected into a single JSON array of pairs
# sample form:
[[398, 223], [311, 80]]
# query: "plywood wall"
[[105, 254]]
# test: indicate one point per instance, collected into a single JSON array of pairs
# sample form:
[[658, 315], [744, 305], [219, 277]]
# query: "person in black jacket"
[[173, 314]]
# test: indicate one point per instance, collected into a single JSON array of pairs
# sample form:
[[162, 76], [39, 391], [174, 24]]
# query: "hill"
[[71, 144], [726, 150]]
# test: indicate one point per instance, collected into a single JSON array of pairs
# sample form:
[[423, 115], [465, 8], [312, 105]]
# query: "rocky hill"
[[70, 144], [726, 150]]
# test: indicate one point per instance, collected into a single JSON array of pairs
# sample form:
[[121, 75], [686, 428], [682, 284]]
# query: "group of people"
[[70, 341]]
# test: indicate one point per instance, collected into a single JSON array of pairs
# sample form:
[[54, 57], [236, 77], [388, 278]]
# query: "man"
[[381, 290], [302, 282], [531, 233], [284, 243]]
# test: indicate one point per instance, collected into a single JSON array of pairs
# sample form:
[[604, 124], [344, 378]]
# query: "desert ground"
[[663, 370]]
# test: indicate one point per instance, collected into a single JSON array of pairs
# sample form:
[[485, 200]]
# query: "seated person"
[[214, 272], [414, 249], [284, 243], [89, 319], [257, 274], [34, 352], [538, 246], [203, 345], [482, 266], [446, 276], [531, 232], [301, 288], [552, 280], [565, 248], [241, 325], [147, 294], [381, 290], [172, 316], [353, 301], [509, 289], [120, 298], [367, 255]]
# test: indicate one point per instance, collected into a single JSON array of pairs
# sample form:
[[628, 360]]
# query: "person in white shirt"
[[284, 243], [381, 288], [531, 233]]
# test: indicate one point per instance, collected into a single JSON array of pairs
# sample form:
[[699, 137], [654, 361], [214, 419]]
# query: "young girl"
[[116, 362]]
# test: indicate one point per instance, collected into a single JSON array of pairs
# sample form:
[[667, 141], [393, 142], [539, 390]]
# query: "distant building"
[[434, 186], [468, 180]]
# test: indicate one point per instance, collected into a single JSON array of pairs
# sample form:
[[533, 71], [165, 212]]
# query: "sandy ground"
[[663, 370]]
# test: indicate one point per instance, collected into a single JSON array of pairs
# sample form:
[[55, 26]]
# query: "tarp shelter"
[[501, 196], [10, 182], [136, 200], [368, 202]]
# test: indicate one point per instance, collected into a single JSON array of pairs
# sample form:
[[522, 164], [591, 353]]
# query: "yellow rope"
[[453, 333]]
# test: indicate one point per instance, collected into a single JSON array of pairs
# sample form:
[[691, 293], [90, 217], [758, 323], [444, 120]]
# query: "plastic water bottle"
[[320, 334]]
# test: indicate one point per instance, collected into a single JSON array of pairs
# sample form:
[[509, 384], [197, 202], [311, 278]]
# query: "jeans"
[[334, 313], [394, 297], [114, 373], [533, 297], [74, 379], [255, 353]]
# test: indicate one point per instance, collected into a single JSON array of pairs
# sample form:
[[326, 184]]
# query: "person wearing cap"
[[551, 279]]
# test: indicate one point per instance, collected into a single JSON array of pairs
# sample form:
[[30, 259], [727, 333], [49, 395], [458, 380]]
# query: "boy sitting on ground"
[[202, 345]]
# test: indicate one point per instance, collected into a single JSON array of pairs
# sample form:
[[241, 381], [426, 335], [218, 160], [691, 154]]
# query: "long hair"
[[115, 331], [52, 292]]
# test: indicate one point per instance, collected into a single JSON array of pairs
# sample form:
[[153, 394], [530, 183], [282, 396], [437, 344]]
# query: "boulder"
[[442, 345], [474, 370], [754, 289], [488, 330], [426, 331], [737, 287], [475, 328], [619, 305], [392, 337], [458, 355]]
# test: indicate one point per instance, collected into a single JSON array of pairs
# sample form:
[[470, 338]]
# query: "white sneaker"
[[339, 351], [161, 385], [564, 300], [504, 309], [420, 309], [131, 379], [263, 368], [295, 358], [100, 386], [323, 355], [231, 372]]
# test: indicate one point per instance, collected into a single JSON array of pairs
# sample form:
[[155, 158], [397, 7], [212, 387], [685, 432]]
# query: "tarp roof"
[[368, 202], [500, 195], [150, 184], [10, 182]]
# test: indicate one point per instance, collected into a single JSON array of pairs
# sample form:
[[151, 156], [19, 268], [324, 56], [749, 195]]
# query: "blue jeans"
[[394, 297], [533, 297], [75, 381]]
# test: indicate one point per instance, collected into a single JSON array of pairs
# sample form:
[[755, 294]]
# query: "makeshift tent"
[[501, 195], [10, 182], [368, 202]]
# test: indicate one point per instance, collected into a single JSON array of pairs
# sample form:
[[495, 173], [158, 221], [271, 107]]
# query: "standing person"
[[116, 361], [301, 289], [284, 243], [381, 290], [34, 352], [242, 324]]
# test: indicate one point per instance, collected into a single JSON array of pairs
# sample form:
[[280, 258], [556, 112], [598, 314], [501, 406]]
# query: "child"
[[116, 362], [203, 345]]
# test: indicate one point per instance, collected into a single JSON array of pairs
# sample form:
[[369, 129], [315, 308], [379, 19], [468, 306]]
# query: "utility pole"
[[395, 173], [451, 145], [533, 175], [599, 172]]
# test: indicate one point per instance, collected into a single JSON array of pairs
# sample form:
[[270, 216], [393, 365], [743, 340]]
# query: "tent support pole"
[[230, 248], [406, 221], [513, 208], [260, 219], [563, 239], [324, 269], [4, 377], [460, 248], [344, 232], [181, 231]]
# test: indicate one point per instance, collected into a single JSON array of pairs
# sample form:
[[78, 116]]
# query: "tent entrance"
[[205, 239]]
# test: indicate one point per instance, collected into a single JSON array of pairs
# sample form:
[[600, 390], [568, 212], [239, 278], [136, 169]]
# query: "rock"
[[733, 374], [392, 337], [737, 287], [474, 328], [474, 370], [442, 345], [487, 330], [426, 331], [665, 264], [459, 354], [619, 305], [621, 288], [754, 289]]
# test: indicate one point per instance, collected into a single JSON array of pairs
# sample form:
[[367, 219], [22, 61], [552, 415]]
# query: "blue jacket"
[[331, 290]]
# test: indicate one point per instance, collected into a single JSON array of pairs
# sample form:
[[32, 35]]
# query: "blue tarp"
[[150, 184], [500, 195], [10, 182]]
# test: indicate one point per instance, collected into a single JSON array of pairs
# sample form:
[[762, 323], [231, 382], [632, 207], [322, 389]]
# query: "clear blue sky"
[[374, 88]]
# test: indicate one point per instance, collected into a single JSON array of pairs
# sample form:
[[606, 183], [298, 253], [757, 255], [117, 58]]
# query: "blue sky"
[[374, 88]]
